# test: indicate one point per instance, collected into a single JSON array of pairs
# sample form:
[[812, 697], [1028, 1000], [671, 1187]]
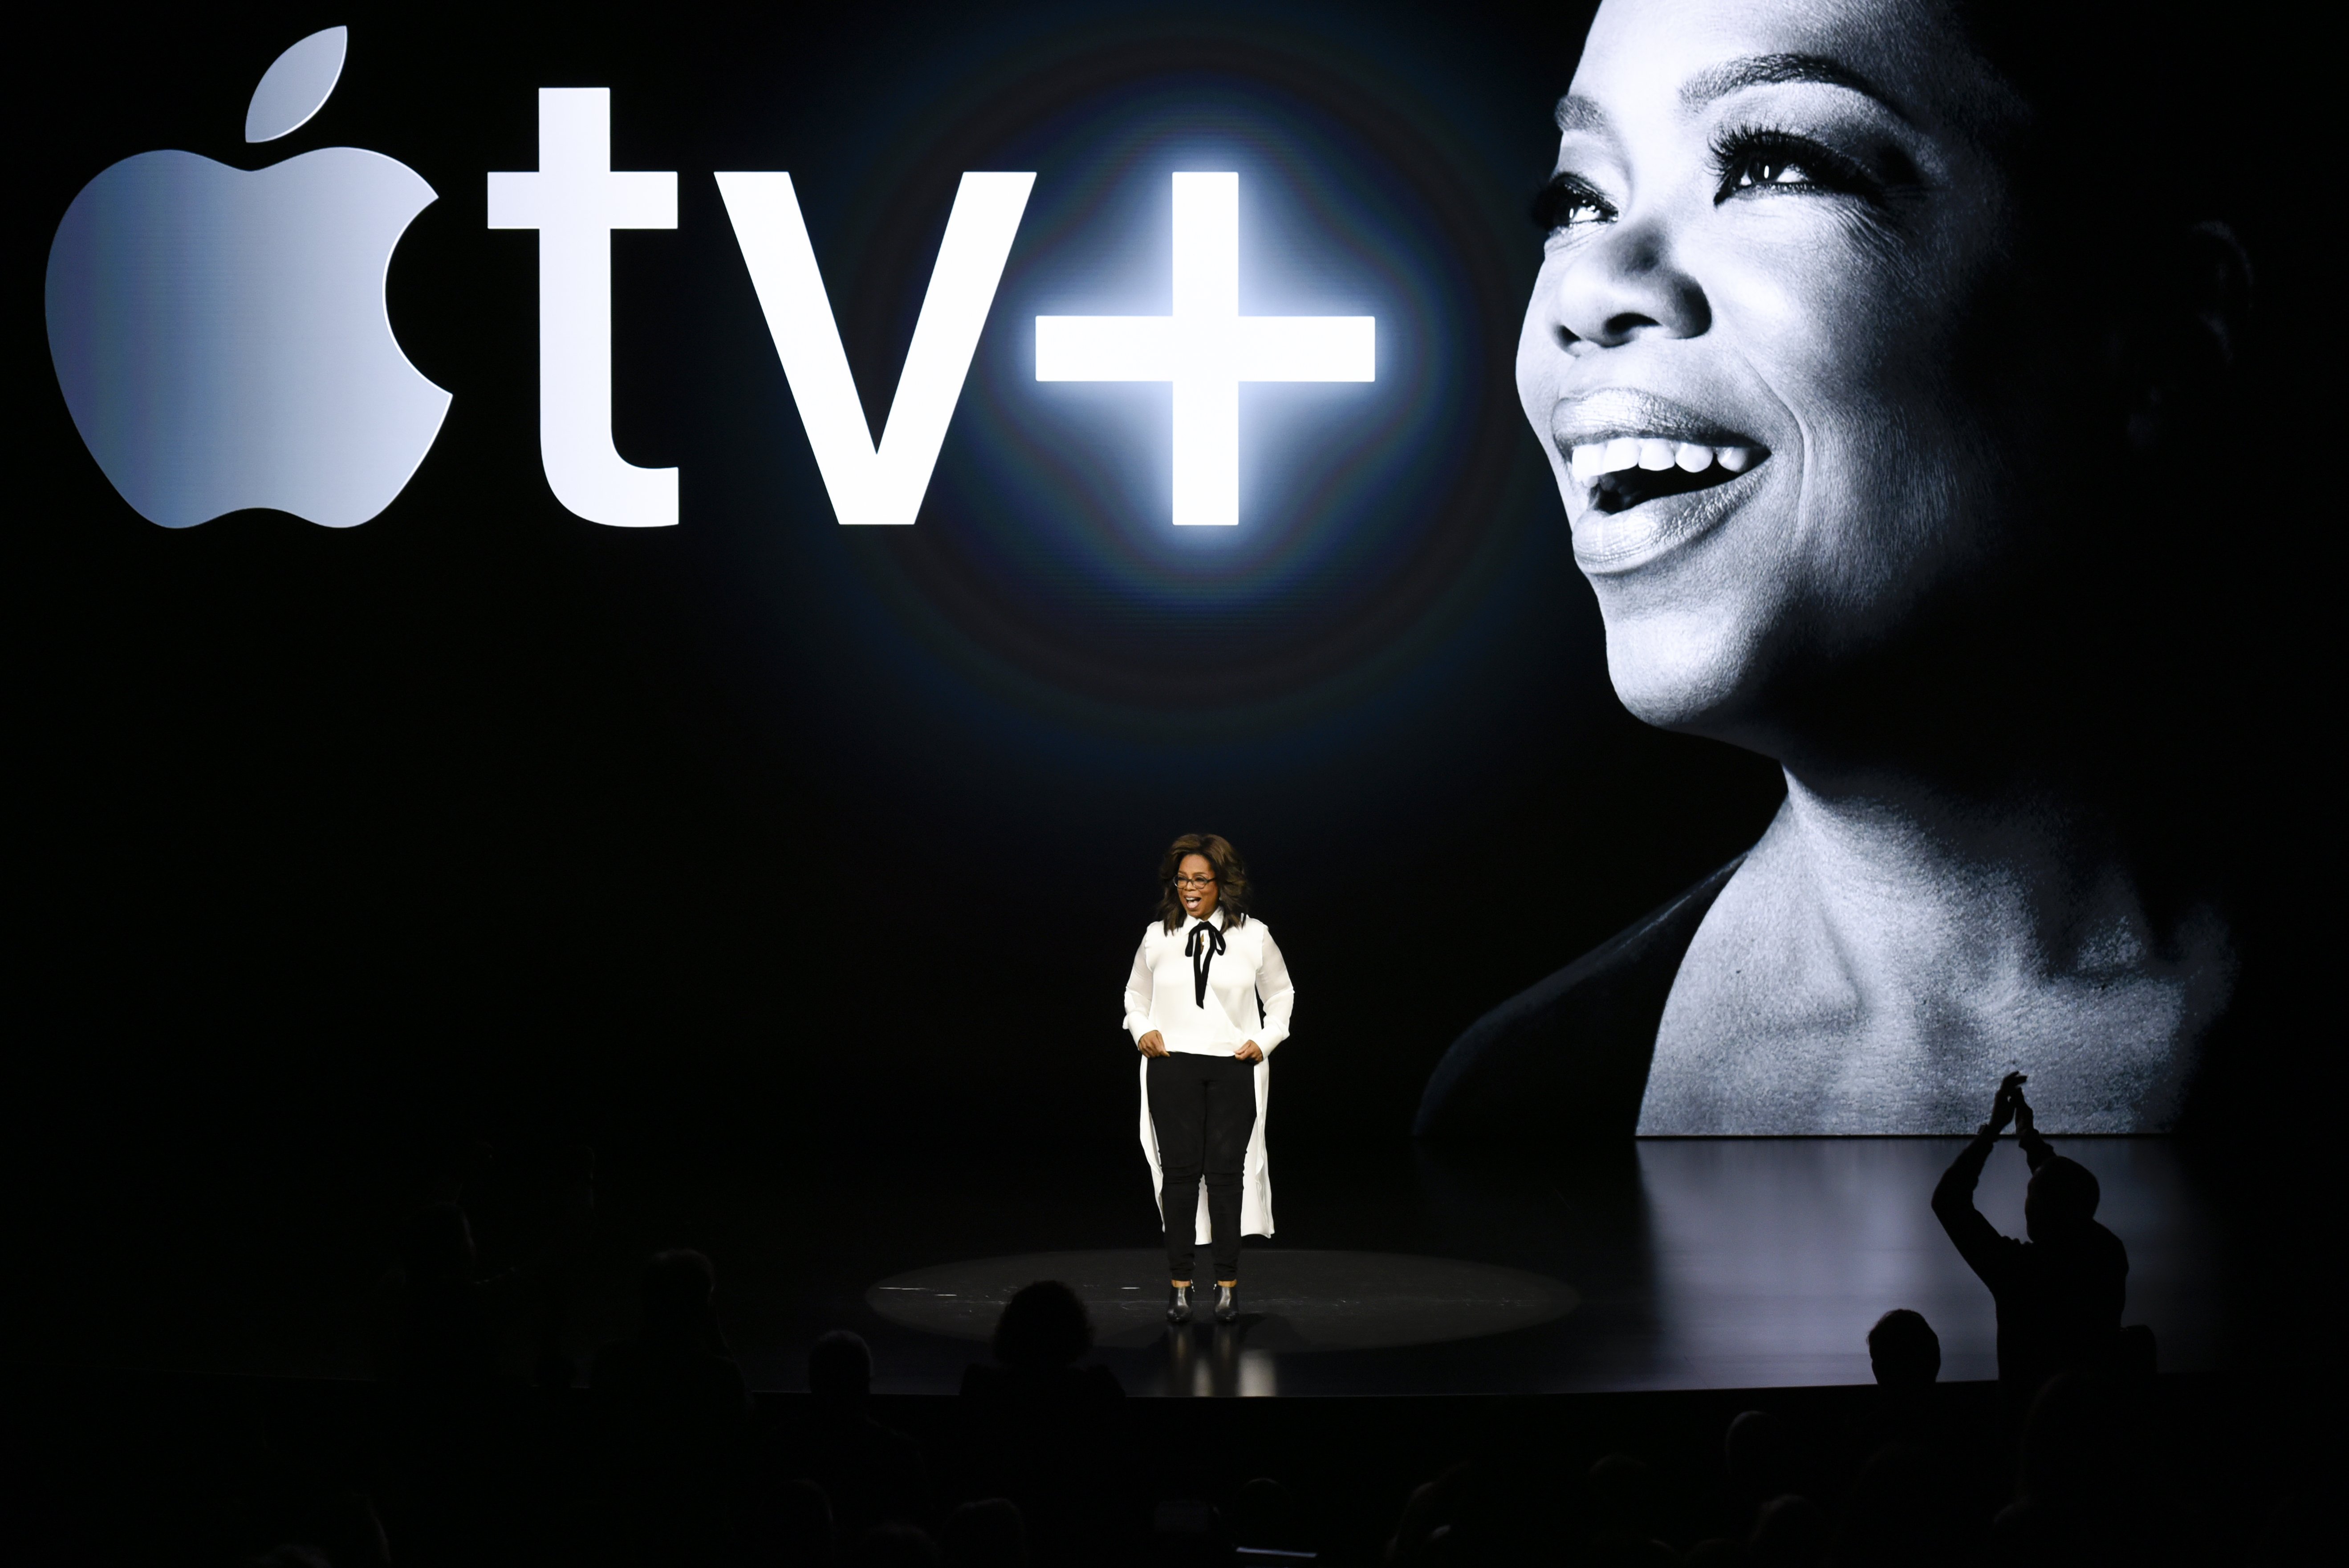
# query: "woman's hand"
[[1152, 1044], [1249, 1053]]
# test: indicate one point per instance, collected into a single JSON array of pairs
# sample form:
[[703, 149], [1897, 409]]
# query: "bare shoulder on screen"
[[1784, 1020]]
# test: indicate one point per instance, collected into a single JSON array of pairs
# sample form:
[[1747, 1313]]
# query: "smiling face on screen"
[[1778, 240]]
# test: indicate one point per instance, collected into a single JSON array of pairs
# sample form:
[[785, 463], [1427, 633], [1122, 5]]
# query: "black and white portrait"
[[1876, 349]]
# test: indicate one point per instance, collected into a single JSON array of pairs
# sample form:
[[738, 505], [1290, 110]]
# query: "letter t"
[[574, 200]]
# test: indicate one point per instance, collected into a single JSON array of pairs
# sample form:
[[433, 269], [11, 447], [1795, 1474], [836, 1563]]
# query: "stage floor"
[[1698, 1264], [1716, 1263]]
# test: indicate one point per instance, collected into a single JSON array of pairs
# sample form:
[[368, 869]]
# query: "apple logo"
[[221, 334]]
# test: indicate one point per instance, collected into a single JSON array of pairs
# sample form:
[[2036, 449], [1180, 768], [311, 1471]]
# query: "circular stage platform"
[[1292, 1301]]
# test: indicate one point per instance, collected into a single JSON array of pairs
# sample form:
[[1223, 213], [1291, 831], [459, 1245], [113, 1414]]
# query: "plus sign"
[[1206, 348]]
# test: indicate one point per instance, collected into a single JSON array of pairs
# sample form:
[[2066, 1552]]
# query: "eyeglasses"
[[1195, 882]]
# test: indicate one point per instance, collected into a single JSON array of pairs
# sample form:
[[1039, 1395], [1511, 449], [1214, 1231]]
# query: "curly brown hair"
[[1231, 878]]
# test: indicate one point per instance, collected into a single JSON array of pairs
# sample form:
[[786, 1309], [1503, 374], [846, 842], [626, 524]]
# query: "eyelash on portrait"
[[1564, 193], [1740, 152]]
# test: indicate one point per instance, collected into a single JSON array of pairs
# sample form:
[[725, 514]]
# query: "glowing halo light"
[[1033, 601], [1206, 348]]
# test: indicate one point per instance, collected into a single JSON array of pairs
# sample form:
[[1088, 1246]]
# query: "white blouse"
[[1163, 992]]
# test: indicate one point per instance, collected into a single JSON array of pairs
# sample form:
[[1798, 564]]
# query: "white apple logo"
[[221, 334]]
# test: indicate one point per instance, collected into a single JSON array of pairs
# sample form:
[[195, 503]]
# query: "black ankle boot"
[[1228, 1303], [1178, 1304]]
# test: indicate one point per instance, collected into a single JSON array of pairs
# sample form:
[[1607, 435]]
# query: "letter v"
[[869, 485]]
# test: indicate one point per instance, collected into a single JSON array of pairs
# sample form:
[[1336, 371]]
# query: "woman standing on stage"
[[1208, 1000]]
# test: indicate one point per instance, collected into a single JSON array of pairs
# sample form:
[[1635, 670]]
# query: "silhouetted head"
[[2063, 1196], [1186, 1532], [2081, 1434], [840, 1365], [985, 1534], [1760, 1453], [437, 1247], [290, 1554], [348, 1532], [893, 1546], [1043, 1326], [1789, 1530], [1904, 1350], [1265, 1514], [680, 1289], [1896, 1513], [1624, 1496], [789, 1523]]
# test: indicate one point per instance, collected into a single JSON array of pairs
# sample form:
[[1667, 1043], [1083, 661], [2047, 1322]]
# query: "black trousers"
[[1203, 1108]]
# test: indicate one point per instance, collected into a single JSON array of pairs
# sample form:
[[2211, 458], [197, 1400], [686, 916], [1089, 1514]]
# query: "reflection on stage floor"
[[1710, 1263], [1684, 1263], [1772, 1256]]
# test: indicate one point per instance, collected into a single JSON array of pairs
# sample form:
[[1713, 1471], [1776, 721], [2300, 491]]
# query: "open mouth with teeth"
[[1625, 470]]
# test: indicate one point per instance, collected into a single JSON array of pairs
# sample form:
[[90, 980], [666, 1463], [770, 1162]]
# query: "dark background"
[[347, 862]]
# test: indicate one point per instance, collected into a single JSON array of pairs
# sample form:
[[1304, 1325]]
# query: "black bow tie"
[[1202, 954]]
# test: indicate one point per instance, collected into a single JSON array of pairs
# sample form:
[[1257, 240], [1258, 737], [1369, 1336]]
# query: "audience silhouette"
[[674, 1382], [1790, 1528], [988, 1533], [891, 1546], [1266, 1519], [449, 1338], [785, 1523], [1041, 1431], [1760, 1454], [454, 1410], [872, 1473], [2059, 1294], [2085, 1491], [674, 1405], [487, 1454], [1905, 1354], [1900, 1511], [1625, 1512], [1904, 1351]]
